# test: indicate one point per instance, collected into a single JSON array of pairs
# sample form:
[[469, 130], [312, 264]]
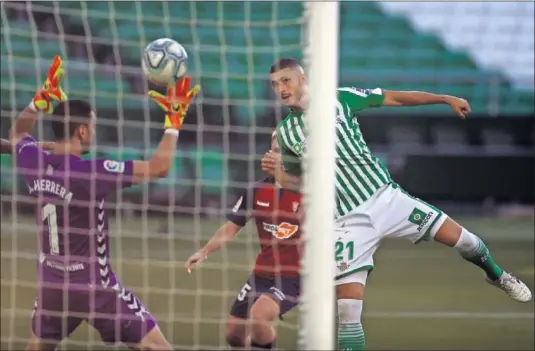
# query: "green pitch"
[[422, 297]]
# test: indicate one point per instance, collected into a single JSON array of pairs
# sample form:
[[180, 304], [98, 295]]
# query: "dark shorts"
[[116, 313], [284, 290]]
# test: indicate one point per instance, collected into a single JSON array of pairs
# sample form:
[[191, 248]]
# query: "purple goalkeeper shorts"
[[284, 290], [116, 313]]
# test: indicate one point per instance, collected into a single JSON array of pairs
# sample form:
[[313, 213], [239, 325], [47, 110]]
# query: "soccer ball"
[[164, 61]]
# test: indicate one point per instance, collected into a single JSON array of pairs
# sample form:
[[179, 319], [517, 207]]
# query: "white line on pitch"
[[452, 315], [215, 318], [401, 314]]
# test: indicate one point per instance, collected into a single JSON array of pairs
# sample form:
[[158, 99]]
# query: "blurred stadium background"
[[480, 169]]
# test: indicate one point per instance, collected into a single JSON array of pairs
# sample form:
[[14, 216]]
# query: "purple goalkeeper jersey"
[[71, 215]]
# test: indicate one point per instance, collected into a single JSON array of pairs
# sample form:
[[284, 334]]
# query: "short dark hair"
[[68, 116], [285, 62]]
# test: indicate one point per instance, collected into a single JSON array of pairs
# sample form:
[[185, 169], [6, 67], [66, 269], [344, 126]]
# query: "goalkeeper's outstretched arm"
[[22, 126], [175, 105], [160, 163], [7, 148], [41, 102]]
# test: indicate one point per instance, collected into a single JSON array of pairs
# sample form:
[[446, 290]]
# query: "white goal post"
[[155, 227], [317, 314]]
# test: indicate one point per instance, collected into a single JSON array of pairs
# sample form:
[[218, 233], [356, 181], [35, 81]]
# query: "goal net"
[[153, 227]]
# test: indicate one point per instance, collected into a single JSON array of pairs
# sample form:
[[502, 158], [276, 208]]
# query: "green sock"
[[350, 337], [481, 257]]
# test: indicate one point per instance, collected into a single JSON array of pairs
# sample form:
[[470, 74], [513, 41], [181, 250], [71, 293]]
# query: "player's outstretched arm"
[[175, 105], [5, 146], [416, 98], [236, 220], [224, 234], [272, 165], [41, 102], [287, 180]]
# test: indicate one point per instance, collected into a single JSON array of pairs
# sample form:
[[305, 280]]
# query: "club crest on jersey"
[[300, 147], [281, 231], [114, 166], [295, 206], [343, 266]]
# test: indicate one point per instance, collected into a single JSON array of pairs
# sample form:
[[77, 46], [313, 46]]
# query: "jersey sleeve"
[[290, 161], [29, 156], [240, 212], [105, 176], [360, 99], [292, 164], [282, 145]]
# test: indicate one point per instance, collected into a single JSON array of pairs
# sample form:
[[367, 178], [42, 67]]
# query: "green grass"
[[418, 298]]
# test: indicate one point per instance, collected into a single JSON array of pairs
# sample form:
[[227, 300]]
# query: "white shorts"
[[390, 212]]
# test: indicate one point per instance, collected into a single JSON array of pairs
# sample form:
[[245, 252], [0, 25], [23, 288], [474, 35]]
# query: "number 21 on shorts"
[[344, 251]]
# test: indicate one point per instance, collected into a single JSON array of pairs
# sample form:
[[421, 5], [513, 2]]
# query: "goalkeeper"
[[369, 204], [76, 280]]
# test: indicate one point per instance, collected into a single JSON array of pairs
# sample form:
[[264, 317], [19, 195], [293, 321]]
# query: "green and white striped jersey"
[[359, 174]]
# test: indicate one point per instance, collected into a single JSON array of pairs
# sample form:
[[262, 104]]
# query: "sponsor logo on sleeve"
[[114, 166]]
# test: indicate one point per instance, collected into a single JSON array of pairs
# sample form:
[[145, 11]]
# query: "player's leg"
[[469, 246], [237, 329], [262, 314], [277, 297], [36, 343], [120, 317], [153, 340], [350, 300], [50, 322], [237, 332], [474, 250], [356, 241], [410, 217]]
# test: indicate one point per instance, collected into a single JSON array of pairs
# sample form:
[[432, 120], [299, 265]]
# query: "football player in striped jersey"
[[369, 203]]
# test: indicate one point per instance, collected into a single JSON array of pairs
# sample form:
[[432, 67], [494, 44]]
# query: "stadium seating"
[[501, 38], [231, 46], [232, 56], [6, 178]]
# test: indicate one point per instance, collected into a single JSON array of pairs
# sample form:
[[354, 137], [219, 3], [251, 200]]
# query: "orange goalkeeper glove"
[[176, 103], [51, 90]]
